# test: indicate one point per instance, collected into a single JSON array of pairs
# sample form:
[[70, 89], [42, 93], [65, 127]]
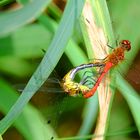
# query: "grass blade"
[[132, 98], [52, 56], [30, 119], [14, 19]]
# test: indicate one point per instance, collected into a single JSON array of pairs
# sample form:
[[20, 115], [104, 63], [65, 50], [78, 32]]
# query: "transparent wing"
[[51, 85]]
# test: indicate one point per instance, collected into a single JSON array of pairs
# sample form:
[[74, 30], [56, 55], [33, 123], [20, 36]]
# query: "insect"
[[74, 88], [110, 61]]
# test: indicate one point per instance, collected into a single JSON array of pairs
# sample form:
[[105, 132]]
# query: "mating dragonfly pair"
[[74, 88]]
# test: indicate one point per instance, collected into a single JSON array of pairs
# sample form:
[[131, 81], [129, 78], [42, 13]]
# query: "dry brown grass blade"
[[100, 49]]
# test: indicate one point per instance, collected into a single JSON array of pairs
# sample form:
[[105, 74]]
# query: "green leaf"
[[5, 2], [52, 56], [132, 98], [12, 20], [26, 42], [95, 19], [1, 137], [11, 65], [30, 120]]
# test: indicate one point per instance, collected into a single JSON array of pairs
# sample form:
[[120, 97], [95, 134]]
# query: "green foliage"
[[5, 2], [26, 31]]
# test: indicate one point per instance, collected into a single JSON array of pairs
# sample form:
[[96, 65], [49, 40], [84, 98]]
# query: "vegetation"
[[39, 39]]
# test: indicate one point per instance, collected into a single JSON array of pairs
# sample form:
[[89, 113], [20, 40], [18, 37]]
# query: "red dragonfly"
[[110, 61]]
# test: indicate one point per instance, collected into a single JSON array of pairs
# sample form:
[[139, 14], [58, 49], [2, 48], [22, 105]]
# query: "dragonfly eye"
[[126, 44]]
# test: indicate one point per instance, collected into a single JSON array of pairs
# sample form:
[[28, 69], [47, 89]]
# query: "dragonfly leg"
[[84, 77]]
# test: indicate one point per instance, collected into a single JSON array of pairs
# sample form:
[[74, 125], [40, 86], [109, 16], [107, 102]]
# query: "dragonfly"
[[110, 61], [56, 92], [74, 88], [71, 88]]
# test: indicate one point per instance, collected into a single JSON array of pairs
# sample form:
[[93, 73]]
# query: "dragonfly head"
[[125, 44]]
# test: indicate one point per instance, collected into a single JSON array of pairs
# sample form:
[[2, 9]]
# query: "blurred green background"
[[27, 31]]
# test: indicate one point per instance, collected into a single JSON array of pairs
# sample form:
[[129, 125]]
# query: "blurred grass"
[[5, 2], [12, 20], [29, 119], [21, 42], [125, 28], [56, 49]]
